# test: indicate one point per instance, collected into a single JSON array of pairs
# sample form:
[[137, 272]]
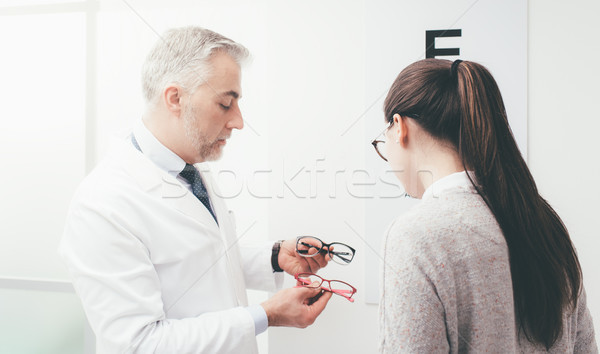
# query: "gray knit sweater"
[[447, 285]]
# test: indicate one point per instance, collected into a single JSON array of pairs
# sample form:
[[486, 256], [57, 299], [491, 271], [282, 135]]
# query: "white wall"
[[317, 84], [564, 123]]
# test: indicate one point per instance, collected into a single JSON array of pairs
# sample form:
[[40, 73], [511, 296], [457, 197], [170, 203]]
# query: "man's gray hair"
[[181, 57]]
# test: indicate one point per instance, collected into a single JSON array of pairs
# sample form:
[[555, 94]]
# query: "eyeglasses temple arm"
[[341, 293]]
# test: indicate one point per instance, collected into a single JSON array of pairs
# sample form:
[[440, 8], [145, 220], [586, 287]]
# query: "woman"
[[482, 263]]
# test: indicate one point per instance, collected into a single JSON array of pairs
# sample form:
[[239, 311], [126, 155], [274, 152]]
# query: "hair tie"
[[454, 67]]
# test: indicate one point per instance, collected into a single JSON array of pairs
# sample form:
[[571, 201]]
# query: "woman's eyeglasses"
[[338, 287], [309, 246], [378, 145]]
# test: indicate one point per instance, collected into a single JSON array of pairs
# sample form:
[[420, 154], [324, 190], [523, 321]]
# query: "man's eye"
[[224, 106]]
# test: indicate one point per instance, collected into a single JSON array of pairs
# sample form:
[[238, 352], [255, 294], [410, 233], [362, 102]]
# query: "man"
[[151, 247]]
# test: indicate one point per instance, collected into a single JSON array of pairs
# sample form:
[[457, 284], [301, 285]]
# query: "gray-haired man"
[[150, 245]]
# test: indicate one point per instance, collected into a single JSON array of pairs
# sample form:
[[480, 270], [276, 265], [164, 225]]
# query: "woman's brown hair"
[[460, 103]]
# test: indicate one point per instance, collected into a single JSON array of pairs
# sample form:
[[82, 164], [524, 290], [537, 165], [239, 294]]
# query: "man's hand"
[[291, 262], [296, 307]]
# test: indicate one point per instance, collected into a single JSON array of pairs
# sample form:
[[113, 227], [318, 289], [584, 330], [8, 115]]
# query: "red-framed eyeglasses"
[[338, 287]]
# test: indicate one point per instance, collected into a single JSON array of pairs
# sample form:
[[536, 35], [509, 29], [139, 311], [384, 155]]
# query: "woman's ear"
[[401, 130]]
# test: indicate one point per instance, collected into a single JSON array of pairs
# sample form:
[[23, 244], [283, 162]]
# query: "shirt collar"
[[162, 157], [458, 179]]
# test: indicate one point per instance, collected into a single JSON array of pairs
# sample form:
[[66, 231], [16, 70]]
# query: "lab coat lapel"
[[182, 199], [219, 206], [228, 233], [156, 181]]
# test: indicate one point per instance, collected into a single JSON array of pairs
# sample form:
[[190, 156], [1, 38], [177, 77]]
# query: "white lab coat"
[[154, 271]]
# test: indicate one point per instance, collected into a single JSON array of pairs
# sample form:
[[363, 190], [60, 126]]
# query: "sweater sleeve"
[[585, 341], [411, 313]]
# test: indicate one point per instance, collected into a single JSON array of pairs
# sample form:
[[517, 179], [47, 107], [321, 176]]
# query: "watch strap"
[[275, 256]]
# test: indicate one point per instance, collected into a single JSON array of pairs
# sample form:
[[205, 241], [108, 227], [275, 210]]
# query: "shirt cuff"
[[261, 322]]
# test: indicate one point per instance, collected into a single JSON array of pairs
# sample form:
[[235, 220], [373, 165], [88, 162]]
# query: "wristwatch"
[[275, 256]]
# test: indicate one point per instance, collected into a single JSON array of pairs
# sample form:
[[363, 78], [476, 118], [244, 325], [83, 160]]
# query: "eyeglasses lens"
[[341, 288], [309, 279], [341, 253], [308, 246]]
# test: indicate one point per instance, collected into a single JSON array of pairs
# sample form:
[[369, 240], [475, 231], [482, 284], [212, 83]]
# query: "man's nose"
[[237, 121]]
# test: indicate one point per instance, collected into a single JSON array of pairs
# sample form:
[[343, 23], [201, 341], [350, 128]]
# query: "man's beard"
[[207, 150]]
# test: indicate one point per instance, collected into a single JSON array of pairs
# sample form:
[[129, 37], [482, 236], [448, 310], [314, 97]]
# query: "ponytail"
[[461, 103], [545, 271]]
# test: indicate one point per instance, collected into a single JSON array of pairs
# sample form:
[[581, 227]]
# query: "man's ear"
[[401, 129], [172, 98]]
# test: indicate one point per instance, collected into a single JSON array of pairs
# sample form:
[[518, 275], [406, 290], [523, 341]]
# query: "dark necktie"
[[191, 174]]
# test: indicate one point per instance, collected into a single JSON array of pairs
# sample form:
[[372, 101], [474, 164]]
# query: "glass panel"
[[42, 137], [34, 322]]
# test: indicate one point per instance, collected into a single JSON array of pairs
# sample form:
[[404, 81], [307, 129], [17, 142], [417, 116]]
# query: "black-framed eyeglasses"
[[310, 246], [378, 145]]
